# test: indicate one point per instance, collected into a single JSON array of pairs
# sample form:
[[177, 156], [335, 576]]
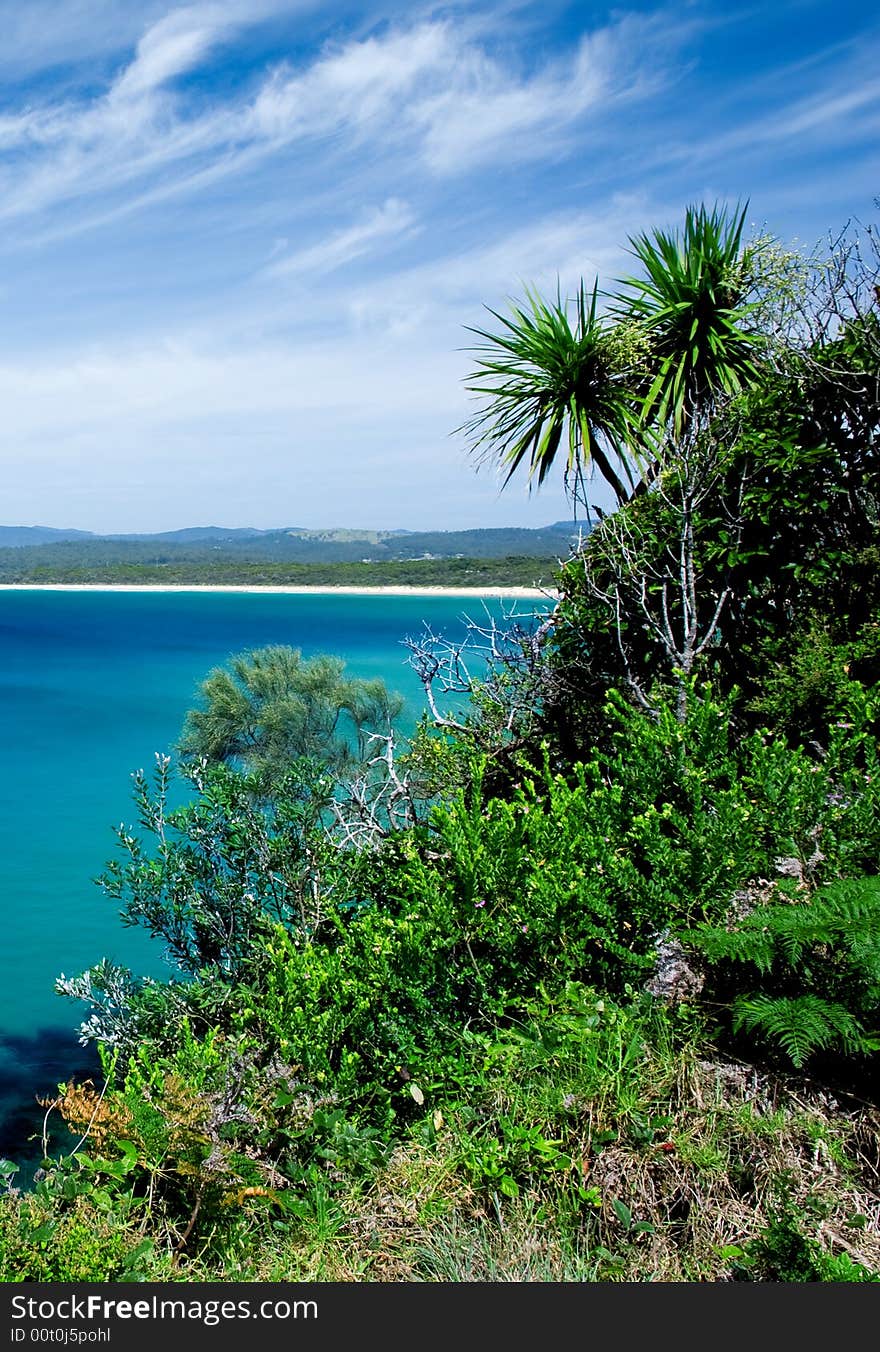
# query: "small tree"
[[741, 383], [209, 880], [270, 707]]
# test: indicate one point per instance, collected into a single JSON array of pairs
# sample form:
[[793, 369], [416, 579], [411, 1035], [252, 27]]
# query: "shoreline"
[[513, 593]]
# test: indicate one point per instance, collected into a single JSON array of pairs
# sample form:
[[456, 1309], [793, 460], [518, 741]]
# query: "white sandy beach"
[[514, 593]]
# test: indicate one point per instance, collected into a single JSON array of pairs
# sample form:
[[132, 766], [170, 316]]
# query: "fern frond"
[[752, 942], [800, 1025], [843, 918]]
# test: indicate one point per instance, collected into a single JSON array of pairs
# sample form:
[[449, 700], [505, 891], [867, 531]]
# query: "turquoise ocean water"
[[92, 685]]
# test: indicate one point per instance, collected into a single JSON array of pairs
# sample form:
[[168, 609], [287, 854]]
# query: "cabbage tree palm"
[[693, 303], [612, 391], [549, 385]]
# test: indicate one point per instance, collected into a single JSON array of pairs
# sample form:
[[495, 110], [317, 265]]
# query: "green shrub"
[[782, 1252], [43, 1239]]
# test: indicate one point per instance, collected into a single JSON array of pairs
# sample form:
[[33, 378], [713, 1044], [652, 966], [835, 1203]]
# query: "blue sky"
[[241, 243]]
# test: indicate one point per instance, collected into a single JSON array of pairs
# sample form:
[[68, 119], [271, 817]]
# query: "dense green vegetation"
[[23, 566], [583, 983]]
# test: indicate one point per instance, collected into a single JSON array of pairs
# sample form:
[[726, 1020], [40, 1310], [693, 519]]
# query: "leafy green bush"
[[329, 995], [84, 1244], [820, 807], [809, 672]]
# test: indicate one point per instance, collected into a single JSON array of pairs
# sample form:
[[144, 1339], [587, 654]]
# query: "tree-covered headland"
[[581, 981]]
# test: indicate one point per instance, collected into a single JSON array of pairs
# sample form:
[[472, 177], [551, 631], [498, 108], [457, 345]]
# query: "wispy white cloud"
[[841, 107], [457, 104], [171, 47], [426, 91], [354, 85], [130, 132], [485, 110], [827, 112], [67, 36], [393, 219], [136, 129], [452, 290]]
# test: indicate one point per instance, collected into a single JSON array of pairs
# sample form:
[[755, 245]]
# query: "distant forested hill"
[[16, 537], [25, 551]]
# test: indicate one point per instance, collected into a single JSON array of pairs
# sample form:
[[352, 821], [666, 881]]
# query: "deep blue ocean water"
[[92, 685]]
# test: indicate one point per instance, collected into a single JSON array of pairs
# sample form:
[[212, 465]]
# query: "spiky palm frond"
[[693, 301], [548, 384]]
